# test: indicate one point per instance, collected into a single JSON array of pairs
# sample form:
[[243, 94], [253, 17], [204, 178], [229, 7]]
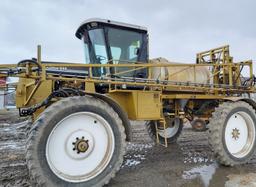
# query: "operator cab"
[[106, 41]]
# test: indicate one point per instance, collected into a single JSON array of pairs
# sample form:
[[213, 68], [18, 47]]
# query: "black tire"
[[150, 125], [39, 170], [217, 128], [198, 125]]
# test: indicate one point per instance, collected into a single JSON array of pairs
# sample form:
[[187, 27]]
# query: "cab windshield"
[[124, 45], [113, 45]]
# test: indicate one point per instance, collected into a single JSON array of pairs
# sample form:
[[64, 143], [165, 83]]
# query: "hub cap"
[[240, 134], [235, 133], [80, 147]]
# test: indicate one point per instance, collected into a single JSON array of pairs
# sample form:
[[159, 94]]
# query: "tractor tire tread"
[[36, 177], [216, 129]]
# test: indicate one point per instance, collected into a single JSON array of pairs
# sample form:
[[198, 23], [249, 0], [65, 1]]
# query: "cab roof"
[[90, 23]]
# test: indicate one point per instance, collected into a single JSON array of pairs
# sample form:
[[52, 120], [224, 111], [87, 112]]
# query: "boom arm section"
[[41, 83]]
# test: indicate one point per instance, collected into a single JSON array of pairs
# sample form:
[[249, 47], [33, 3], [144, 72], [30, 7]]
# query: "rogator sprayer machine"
[[81, 111]]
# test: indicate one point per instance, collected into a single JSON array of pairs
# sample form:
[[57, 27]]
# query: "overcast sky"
[[177, 29]]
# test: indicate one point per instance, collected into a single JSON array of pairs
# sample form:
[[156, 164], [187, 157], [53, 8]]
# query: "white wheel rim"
[[170, 131], [240, 134], [71, 166]]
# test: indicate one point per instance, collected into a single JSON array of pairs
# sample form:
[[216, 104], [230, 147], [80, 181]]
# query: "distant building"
[[2, 92], [7, 93]]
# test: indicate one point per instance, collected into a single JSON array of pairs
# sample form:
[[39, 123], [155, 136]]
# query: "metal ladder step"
[[163, 122]]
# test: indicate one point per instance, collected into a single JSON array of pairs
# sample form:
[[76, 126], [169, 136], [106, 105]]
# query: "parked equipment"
[[81, 112]]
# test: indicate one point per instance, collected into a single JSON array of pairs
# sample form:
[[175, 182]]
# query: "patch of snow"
[[136, 153], [131, 162], [4, 124], [197, 157], [138, 146]]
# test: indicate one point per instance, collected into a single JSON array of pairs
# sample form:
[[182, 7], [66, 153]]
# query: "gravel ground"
[[189, 162]]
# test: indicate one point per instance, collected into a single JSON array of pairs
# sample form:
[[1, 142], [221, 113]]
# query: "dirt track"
[[190, 162]]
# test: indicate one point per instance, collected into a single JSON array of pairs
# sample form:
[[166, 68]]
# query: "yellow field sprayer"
[[81, 111]]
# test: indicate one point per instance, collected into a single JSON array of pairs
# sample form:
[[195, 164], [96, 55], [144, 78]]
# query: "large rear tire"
[[232, 133], [77, 141], [173, 130]]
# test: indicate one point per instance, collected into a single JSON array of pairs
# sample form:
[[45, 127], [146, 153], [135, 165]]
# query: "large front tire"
[[78, 141], [232, 133]]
